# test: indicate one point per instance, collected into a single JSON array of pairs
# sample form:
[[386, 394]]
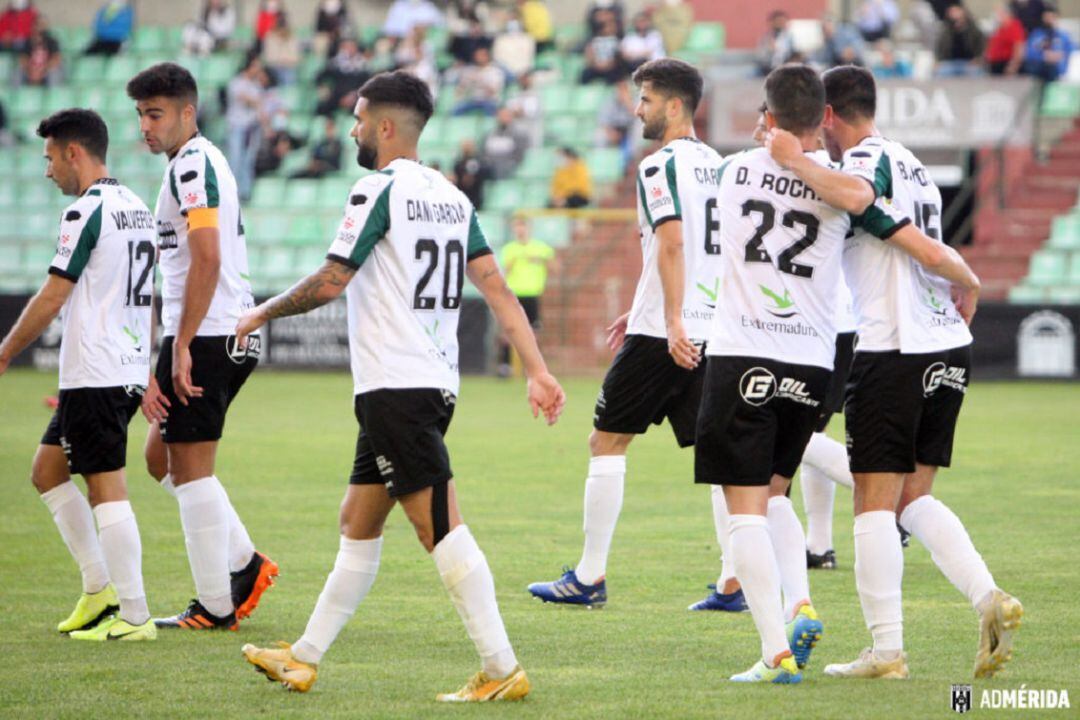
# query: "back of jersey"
[[106, 247], [679, 182], [409, 233], [781, 248]]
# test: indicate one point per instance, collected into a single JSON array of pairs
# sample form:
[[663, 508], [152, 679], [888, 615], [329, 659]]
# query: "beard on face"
[[654, 129], [366, 157]]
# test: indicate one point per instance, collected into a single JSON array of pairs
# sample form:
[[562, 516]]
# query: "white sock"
[[789, 545], [122, 548], [937, 527], [467, 578], [167, 484], [830, 457], [818, 494], [879, 574], [241, 549], [73, 518], [349, 582], [205, 519], [721, 522], [755, 566], [603, 501]]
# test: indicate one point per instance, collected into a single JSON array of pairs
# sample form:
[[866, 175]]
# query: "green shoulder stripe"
[[478, 243], [644, 202], [883, 176], [213, 197], [673, 185], [376, 227], [86, 243], [172, 185], [874, 221]]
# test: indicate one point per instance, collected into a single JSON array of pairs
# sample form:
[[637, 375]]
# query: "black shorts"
[[756, 417], [531, 306], [834, 396], [643, 386], [902, 409], [400, 444], [91, 425], [220, 370]]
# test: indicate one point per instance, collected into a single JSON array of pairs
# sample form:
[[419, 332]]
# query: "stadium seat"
[[459, 129], [1061, 100], [1074, 269], [1026, 295], [7, 69], [1064, 294], [557, 100], [266, 227], [505, 195], [148, 38], [1065, 232], [217, 70], [10, 256], [268, 193], [1047, 268], [569, 37], [493, 225], [301, 194], [120, 69], [555, 230], [306, 229], [705, 37], [589, 98], [605, 164], [27, 102], [538, 163]]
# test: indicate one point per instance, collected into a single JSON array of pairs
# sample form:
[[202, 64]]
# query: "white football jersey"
[[678, 182], [898, 305], [845, 310], [106, 247], [199, 177], [781, 248], [409, 233]]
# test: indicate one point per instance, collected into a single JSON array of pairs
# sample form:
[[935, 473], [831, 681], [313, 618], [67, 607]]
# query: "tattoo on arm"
[[314, 291]]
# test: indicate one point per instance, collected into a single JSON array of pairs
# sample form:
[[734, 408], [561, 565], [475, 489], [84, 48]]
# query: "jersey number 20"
[[453, 273]]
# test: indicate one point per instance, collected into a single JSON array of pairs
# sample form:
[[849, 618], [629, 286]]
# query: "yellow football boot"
[[482, 688], [91, 609], [279, 665]]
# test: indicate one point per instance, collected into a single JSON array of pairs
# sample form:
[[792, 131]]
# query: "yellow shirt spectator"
[[526, 265], [571, 185], [536, 20]]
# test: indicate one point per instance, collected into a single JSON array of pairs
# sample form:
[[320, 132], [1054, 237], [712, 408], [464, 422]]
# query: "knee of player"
[[157, 467], [602, 443], [425, 534]]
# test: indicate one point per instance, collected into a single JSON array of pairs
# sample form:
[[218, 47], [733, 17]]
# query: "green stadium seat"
[[705, 37], [1064, 294], [1026, 295], [493, 225], [10, 256], [73, 38], [571, 67], [27, 102], [60, 97], [37, 194], [218, 70], [557, 99], [569, 37], [266, 227], [1061, 99], [148, 38], [1048, 267], [459, 129], [564, 129], [309, 259], [301, 194], [9, 198], [1074, 269], [268, 193], [505, 195], [278, 263], [307, 229], [589, 98], [87, 71], [120, 69], [538, 163], [1065, 232], [7, 69], [555, 230], [37, 256], [605, 164]]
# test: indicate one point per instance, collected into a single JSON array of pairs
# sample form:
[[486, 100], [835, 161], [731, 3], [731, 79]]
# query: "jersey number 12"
[[140, 267]]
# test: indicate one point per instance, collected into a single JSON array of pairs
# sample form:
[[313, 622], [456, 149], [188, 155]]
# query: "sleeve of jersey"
[[872, 165], [478, 244], [194, 183], [659, 191], [366, 221], [79, 231], [882, 219]]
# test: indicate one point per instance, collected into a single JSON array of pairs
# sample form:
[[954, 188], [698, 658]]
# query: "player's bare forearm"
[[935, 256], [201, 282], [485, 275], [844, 192], [317, 289], [671, 264], [36, 316]]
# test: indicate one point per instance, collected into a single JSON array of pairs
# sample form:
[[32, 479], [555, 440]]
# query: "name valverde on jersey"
[[409, 233], [780, 267], [898, 305], [679, 182], [199, 177], [106, 247]]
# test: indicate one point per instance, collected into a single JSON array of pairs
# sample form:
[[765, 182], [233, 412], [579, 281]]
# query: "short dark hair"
[[164, 80], [77, 125], [851, 91], [795, 97], [673, 78], [400, 89]]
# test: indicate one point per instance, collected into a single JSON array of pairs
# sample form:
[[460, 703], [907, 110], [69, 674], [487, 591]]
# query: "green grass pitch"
[[285, 458]]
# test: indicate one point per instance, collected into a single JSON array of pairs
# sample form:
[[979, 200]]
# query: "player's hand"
[[154, 405], [617, 332], [181, 374], [784, 147], [545, 395], [966, 302], [685, 354], [249, 322]]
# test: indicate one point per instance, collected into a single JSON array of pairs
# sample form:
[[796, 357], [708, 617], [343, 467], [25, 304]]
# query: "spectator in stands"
[[528, 109], [417, 55], [598, 13], [775, 47], [471, 174], [674, 19], [275, 147], [281, 52], [339, 80], [40, 62], [467, 39], [219, 19], [960, 44], [875, 19], [843, 44], [1048, 48], [526, 262], [536, 20], [7, 139], [1006, 47], [615, 120], [888, 65], [244, 95], [16, 25], [404, 14], [514, 49], [602, 60], [641, 44], [571, 185], [266, 19], [331, 24], [325, 154], [1029, 12], [480, 85], [504, 147], [113, 25]]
